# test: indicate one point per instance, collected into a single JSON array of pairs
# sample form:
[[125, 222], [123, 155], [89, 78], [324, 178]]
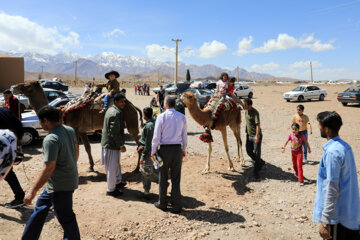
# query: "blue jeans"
[[62, 203], [305, 133], [107, 100]]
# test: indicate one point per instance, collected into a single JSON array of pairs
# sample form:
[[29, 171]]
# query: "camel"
[[226, 118], [83, 119]]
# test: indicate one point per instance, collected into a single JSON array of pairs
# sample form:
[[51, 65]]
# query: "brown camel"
[[226, 118], [83, 119]]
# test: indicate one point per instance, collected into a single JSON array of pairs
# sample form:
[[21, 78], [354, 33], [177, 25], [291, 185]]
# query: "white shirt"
[[170, 128]]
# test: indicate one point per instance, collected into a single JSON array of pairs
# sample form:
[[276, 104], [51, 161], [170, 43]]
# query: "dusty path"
[[219, 205]]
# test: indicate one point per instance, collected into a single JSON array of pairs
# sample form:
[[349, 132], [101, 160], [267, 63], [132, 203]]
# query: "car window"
[[355, 89], [53, 95], [246, 87], [205, 92], [316, 88], [299, 89]]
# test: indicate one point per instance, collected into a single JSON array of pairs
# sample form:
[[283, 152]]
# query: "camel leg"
[[237, 134], [85, 140], [224, 135], [207, 166]]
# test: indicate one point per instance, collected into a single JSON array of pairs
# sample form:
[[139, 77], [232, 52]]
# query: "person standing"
[[11, 122], [296, 140], [112, 143], [337, 204], [253, 136], [303, 121], [112, 86], [161, 97], [61, 152], [12, 103], [147, 170], [170, 134]]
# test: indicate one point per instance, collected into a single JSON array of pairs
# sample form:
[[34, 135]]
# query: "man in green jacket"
[[112, 143], [148, 172]]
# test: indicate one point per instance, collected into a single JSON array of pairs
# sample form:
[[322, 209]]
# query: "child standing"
[[297, 141], [304, 124]]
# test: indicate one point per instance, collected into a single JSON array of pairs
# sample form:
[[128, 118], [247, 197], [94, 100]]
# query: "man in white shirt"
[[170, 134]]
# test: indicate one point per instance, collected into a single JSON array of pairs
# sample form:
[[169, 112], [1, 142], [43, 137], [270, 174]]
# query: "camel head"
[[189, 98], [34, 92], [27, 88]]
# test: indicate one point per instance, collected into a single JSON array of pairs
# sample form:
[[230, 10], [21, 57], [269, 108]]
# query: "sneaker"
[[157, 205], [305, 161], [301, 184], [15, 204], [114, 193], [296, 175], [121, 185]]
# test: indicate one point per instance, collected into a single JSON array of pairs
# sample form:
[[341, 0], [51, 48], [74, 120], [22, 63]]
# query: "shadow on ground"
[[213, 215], [269, 171], [25, 215]]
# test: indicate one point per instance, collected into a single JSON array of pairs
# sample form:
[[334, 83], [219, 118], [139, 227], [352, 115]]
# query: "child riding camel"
[[112, 86]]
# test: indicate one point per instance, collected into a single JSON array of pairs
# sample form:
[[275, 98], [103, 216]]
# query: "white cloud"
[[20, 34], [211, 50], [244, 46], [266, 67], [306, 64], [114, 33], [160, 53], [283, 42]]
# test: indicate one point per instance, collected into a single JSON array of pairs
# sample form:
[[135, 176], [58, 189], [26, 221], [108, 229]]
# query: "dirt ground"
[[218, 205]]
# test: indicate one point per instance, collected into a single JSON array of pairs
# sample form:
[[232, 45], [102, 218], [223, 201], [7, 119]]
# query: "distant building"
[[11, 71]]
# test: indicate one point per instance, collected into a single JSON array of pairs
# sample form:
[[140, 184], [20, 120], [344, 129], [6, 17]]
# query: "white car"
[[243, 91], [305, 92]]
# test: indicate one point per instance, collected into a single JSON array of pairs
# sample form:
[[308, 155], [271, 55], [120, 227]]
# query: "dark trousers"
[[62, 204], [172, 159], [339, 232], [161, 103], [254, 151], [15, 185]]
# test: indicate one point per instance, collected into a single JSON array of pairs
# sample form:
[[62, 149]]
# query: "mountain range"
[[94, 66]]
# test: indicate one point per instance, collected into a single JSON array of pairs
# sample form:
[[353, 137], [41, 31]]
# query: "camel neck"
[[201, 117]]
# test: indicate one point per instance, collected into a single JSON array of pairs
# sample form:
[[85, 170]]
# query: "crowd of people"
[[142, 89], [162, 148]]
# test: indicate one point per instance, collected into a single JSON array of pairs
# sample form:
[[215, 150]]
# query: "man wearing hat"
[[112, 86]]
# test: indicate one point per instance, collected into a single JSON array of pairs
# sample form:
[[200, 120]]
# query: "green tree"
[[188, 77]]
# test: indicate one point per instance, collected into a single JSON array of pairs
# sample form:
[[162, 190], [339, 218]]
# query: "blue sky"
[[276, 37]]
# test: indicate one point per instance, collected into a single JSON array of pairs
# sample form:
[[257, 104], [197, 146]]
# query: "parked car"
[[55, 85], [350, 95], [243, 91], [305, 92], [24, 102], [210, 85], [202, 95], [166, 85], [31, 124], [177, 88]]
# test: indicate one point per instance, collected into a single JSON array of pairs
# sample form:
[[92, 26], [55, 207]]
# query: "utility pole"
[[75, 70], [237, 73], [312, 80], [176, 59], [42, 70]]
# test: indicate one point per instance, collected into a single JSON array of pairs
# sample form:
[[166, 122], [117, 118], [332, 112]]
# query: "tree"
[[40, 76], [188, 77]]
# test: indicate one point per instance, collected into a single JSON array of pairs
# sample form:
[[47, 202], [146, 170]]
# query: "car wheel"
[[29, 136], [322, 97], [22, 108], [344, 103], [250, 95], [288, 100], [301, 98]]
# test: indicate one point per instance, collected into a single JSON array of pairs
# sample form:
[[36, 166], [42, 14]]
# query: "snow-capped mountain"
[[97, 65]]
